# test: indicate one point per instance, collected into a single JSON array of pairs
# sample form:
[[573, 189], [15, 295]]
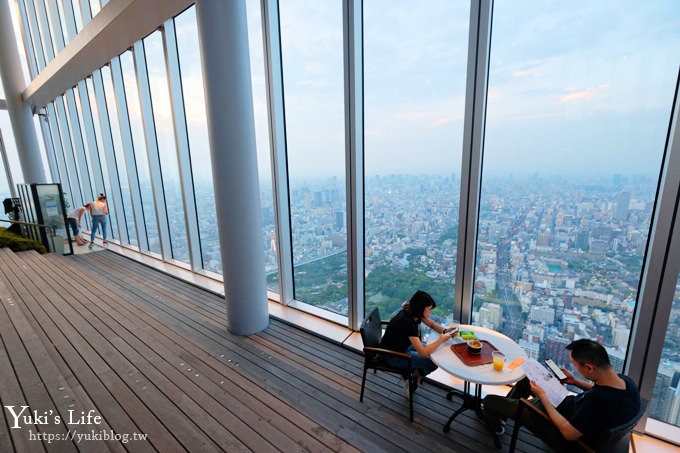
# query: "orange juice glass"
[[498, 360]]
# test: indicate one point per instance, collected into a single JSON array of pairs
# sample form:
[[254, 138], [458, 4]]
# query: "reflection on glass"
[[165, 133], [136, 127], [262, 141], [311, 40], [120, 155], [665, 404], [102, 156], [568, 185], [414, 104]]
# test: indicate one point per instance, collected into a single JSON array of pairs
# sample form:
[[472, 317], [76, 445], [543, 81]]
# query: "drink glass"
[[498, 360]]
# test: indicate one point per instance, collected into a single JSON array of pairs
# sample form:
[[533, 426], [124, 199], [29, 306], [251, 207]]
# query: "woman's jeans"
[[98, 220], [425, 365], [74, 226]]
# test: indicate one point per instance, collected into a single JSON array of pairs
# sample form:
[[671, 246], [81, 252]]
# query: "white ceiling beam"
[[115, 29]]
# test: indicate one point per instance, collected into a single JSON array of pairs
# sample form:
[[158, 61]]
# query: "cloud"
[[588, 93], [446, 120]]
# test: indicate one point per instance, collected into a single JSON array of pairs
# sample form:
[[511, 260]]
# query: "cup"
[[498, 360]]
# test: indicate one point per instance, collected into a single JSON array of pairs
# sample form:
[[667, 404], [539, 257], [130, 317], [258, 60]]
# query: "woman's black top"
[[400, 328]]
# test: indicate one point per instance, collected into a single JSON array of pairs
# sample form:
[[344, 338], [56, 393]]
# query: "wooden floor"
[[104, 336]]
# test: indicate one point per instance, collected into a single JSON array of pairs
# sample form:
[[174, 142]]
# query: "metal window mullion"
[[35, 34], [79, 147], [85, 11], [69, 15], [152, 153], [46, 35], [67, 146], [56, 28], [661, 269], [88, 126], [271, 35], [49, 148], [354, 157], [186, 178], [29, 48], [129, 154], [75, 185], [473, 145], [110, 156]]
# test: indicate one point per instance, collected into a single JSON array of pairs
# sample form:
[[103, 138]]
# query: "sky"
[[573, 86]]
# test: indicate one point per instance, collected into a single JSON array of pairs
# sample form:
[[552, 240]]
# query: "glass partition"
[[311, 41]]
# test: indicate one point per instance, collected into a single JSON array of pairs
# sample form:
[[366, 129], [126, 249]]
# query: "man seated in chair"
[[608, 400]]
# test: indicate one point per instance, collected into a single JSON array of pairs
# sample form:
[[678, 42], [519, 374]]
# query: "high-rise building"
[[622, 205]]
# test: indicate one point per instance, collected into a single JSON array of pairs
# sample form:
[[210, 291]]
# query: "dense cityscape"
[[557, 258]]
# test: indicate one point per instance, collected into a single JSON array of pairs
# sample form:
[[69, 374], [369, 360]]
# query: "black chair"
[[375, 358], [613, 440]]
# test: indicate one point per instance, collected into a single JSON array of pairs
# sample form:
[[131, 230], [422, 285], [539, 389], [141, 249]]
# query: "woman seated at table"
[[403, 334]]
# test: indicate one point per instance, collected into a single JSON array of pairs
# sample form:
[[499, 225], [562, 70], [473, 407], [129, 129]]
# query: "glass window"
[[311, 40], [10, 147], [95, 6], [197, 129], [579, 101], [120, 154], [414, 107], [102, 155], [259, 84], [141, 158], [165, 132]]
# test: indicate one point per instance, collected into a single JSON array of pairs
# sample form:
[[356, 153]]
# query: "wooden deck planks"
[[152, 354]]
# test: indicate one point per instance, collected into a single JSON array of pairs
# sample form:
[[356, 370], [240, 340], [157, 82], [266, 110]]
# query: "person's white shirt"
[[76, 213]]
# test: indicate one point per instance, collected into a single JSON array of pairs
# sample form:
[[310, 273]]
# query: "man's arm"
[[561, 423]]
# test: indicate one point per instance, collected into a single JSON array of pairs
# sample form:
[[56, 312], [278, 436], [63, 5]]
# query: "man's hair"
[[418, 302], [586, 351]]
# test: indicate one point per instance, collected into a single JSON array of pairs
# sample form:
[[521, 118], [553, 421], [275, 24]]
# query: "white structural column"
[[223, 35], [20, 113]]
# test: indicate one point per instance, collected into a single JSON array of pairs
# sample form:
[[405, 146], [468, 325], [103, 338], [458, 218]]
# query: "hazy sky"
[[574, 86]]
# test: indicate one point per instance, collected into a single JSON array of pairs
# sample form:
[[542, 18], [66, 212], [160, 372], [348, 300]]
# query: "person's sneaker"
[[91, 245]]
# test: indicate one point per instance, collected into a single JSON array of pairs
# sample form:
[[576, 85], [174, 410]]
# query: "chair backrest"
[[371, 329], [617, 438]]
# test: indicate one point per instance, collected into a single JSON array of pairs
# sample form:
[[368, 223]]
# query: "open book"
[[536, 372]]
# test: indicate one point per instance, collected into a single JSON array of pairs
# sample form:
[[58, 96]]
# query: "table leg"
[[473, 402]]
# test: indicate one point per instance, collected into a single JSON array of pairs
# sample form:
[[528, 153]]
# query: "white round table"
[[480, 375], [448, 361]]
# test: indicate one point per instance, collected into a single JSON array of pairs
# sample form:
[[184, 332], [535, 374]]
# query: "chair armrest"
[[387, 351], [526, 404]]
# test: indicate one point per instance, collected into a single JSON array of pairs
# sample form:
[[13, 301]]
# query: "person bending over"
[[403, 335], [608, 400]]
